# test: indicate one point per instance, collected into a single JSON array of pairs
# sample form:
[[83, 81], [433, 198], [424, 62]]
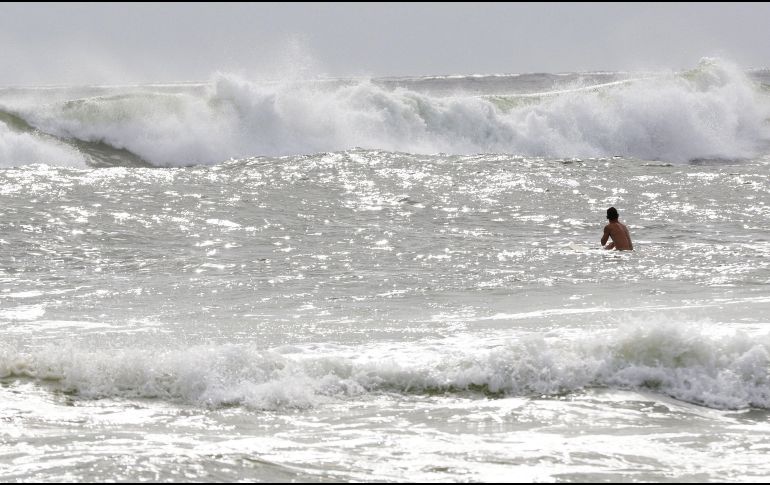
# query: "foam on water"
[[25, 148], [693, 362]]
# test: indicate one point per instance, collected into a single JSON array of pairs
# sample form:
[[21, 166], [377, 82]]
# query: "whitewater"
[[389, 279]]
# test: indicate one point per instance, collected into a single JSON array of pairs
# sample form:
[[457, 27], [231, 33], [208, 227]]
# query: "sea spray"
[[714, 112]]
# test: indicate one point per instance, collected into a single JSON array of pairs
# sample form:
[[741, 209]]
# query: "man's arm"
[[606, 234]]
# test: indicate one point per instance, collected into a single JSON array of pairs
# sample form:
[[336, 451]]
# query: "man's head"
[[612, 213]]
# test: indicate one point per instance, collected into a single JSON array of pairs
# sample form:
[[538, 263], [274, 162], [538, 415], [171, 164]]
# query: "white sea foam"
[[715, 111], [687, 361], [25, 148]]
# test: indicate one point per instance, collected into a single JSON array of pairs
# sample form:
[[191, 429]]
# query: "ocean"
[[387, 280]]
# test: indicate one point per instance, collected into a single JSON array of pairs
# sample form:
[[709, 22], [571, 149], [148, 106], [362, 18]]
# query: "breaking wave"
[[715, 111], [683, 360]]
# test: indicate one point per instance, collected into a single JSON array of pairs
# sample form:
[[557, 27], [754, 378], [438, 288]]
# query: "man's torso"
[[620, 236]]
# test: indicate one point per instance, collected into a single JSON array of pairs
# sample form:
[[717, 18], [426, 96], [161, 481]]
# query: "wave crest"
[[684, 361], [714, 111]]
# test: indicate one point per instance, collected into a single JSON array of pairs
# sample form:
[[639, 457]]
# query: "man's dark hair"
[[612, 213]]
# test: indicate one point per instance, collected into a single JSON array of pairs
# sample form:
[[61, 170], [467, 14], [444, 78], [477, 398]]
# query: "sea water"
[[387, 280]]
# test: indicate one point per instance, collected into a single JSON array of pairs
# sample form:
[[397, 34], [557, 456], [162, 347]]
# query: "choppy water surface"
[[362, 314], [369, 315]]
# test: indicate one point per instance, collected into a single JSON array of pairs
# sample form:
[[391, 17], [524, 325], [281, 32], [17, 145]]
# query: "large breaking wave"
[[713, 111]]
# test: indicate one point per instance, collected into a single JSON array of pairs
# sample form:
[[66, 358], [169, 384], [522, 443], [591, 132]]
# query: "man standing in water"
[[621, 239]]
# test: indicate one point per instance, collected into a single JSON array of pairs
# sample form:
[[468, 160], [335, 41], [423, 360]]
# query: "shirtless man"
[[618, 231]]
